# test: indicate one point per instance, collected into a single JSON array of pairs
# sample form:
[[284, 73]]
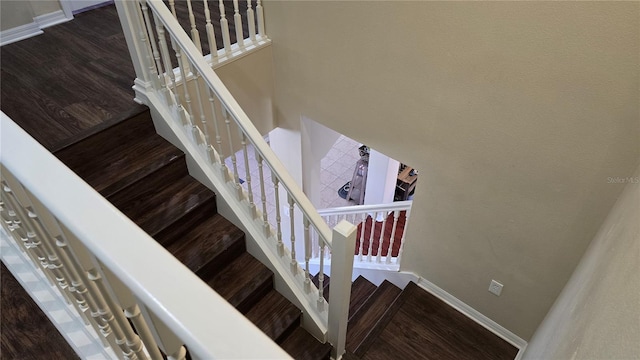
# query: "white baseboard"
[[34, 28], [19, 33], [474, 315], [50, 19]]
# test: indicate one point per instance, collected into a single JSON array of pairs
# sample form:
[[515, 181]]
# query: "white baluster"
[[252, 205], [278, 217], [152, 42], [224, 27], [211, 36], [251, 22], [203, 119], [362, 230], [96, 287], [307, 254], [185, 89], [166, 60], [260, 12], [263, 196], [294, 263], [381, 240], [172, 6], [165, 338], [195, 35], [133, 314], [396, 214], [404, 234], [216, 128], [122, 329], [321, 276], [27, 239], [144, 39], [237, 24], [234, 161]]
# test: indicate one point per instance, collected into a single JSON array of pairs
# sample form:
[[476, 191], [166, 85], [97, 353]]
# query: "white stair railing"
[[194, 103], [380, 235], [98, 259]]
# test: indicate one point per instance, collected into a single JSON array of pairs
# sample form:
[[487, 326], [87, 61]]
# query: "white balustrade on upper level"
[[98, 259], [380, 235], [200, 112]]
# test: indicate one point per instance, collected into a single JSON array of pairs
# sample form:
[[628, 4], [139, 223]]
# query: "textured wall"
[[597, 315], [515, 113]]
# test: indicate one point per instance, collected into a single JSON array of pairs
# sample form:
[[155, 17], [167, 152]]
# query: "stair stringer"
[[258, 245]]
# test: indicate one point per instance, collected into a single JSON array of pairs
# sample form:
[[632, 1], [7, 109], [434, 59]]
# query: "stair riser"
[[215, 265], [255, 296], [171, 235]]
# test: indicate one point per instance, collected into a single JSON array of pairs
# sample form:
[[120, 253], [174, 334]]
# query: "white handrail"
[[180, 107], [208, 325], [215, 84], [359, 209]]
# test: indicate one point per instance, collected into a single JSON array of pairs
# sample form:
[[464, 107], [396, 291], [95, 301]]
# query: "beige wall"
[[17, 13], [515, 113], [250, 81], [14, 14], [41, 7], [597, 314]]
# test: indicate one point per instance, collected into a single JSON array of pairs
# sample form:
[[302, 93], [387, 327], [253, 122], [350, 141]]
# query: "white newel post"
[[132, 28], [343, 242]]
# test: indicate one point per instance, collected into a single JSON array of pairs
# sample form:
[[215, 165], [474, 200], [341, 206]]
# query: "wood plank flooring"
[[34, 329], [75, 76], [424, 327]]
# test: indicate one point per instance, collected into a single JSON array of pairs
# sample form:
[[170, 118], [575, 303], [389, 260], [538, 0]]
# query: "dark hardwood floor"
[[75, 76], [24, 328]]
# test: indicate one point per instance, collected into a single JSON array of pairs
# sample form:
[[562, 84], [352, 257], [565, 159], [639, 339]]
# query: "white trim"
[[19, 33], [82, 338], [473, 314], [52, 18], [66, 8]]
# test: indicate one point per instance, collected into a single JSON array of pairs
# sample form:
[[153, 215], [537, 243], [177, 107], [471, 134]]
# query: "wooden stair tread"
[[301, 345], [120, 155], [325, 282], [365, 320], [361, 290], [209, 246], [243, 282], [172, 234], [437, 331], [159, 199], [275, 316], [103, 126]]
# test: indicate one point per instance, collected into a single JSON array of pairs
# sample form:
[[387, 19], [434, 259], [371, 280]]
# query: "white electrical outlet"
[[495, 288]]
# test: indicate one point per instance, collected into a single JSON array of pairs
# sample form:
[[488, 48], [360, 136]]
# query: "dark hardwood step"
[[173, 234], [361, 290], [209, 246], [348, 355], [120, 155], [161, 198], [366, 319], [276, 316], [425, 327], [106, 124], [243, 282], [325, 282], [301, 345]]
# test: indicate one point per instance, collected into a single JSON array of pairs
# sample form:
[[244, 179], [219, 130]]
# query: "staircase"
[[146, 178]]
